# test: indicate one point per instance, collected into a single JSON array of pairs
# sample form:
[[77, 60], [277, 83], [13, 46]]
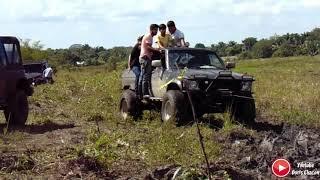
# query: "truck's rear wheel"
[[173, 106], [17, 111], [129, 105], [244, 111]]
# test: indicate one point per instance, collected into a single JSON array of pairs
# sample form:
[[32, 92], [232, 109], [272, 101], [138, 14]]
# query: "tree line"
[[76, 54], [293, 44], [290, 44]]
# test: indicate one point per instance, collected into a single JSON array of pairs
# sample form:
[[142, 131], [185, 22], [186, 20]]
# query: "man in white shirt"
[[176, 35]]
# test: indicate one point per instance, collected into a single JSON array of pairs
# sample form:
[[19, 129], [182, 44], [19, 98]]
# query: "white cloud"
[[132, 9], [311, 3], [90, 20]]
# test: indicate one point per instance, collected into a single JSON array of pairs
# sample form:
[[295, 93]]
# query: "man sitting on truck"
[[176, 35], [163, 39]]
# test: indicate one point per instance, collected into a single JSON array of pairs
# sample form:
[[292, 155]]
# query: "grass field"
[[286, 90]]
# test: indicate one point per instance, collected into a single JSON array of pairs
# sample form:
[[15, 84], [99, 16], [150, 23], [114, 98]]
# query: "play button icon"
[[281, 168]]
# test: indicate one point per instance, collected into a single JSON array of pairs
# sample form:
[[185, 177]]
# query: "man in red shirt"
[[145, 60]]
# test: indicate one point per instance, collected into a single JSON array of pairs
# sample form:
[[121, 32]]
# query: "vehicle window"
[[3, 58], [194, 60], [12, 53], [215, 61]]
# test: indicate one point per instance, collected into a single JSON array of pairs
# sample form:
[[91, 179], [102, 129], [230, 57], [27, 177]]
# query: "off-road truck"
[[212, 86], [14, 85]]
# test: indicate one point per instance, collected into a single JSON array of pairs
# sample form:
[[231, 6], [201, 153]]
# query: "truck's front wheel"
[[17, 110], [244, 111], [173, 106]]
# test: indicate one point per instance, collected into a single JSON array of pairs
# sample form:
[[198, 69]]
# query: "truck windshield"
[[12, 53], [195, 59]]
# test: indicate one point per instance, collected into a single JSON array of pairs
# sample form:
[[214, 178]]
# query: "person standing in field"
[[176, 35], [133, 63], [163, 39], [145, 60], [47, 74]]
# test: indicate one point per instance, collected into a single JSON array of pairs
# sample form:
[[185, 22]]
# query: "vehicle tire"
[[17, 109], [244, 111], [129, 105], [174, 107]]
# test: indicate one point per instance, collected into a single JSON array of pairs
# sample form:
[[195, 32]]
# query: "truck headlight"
[[192, 85], [246, 86]]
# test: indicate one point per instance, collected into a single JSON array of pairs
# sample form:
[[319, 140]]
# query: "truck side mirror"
[[156, 63], [230, 65]]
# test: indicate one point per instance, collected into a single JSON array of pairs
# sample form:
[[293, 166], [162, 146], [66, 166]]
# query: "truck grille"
[[228, 84]]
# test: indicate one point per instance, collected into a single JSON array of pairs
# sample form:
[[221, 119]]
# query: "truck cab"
[[14, 86]]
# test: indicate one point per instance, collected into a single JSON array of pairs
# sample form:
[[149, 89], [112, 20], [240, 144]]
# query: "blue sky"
[[108, 23]]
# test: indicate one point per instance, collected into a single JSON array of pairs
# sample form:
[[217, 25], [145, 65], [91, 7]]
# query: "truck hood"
[[210, 74]]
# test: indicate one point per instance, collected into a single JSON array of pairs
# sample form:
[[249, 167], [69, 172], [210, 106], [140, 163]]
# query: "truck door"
[[157, 80]]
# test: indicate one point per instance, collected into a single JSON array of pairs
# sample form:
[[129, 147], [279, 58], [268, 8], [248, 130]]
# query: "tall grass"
[[287, 89]]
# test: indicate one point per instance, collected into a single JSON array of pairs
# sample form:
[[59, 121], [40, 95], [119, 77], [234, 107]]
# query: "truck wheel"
[[244, 111], [173, 107], [17, 109], [129, 105]]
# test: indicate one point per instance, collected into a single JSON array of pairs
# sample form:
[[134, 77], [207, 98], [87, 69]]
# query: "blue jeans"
[[145, 75], [136, 70]]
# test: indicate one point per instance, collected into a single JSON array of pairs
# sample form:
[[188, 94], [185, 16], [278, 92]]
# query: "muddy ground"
[[43, 151]]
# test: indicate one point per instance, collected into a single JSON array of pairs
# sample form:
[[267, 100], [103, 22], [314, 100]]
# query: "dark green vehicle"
[[201, 72], [14, 85]]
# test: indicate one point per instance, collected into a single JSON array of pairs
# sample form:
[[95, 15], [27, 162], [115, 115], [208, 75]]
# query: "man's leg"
[[146, 75], [141, 78], [148, 72], [136, 71]]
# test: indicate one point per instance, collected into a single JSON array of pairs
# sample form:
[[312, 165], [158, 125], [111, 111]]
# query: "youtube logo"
[[281, 168]]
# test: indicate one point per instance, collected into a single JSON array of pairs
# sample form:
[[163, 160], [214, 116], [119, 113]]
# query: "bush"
[[312, 47], [262, 49], [285, 50], [245, 55]]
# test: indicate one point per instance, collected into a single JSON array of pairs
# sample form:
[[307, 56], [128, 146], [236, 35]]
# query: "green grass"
[[82, 95], [286, 90]]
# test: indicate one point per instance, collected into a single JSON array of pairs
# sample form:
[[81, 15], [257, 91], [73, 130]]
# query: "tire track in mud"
[[248, 155]]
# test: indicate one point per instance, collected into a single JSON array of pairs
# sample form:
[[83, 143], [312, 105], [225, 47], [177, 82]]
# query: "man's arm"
[[149, 47], [183, 43], [129, 61]]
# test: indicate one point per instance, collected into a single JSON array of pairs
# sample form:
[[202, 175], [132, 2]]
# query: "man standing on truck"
[[176, 35], [163, 39], [134, 65], [145, 60]]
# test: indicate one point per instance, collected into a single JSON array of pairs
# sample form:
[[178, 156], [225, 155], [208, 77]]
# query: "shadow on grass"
[[265, 126], [37, 128], [217, 124]]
